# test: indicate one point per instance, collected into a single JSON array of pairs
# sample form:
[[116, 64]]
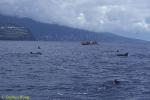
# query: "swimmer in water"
[[116, 82]]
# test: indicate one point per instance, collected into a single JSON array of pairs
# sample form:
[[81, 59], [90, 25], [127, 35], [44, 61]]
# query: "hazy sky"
[[123, 17]]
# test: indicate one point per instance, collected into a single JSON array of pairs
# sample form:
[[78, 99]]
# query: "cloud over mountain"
[[124, 17]]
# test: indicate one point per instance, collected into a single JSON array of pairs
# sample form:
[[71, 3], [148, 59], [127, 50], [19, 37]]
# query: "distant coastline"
[[13, 32]]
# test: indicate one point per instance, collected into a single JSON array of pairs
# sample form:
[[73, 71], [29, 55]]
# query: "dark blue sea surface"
[[70, 71]]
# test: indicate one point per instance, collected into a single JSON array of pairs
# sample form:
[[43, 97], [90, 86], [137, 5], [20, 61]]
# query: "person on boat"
[[117, 50], [39, 47]]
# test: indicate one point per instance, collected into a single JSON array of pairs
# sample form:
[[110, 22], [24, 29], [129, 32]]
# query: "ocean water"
[[70, 71]]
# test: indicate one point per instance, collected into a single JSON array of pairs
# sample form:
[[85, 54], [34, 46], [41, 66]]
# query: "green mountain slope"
[[12, 32]]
